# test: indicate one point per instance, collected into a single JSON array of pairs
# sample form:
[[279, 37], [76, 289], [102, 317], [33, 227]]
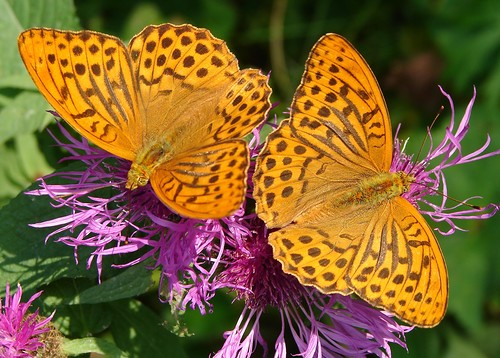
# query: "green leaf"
[[24, 255], [145, 13], [131, 282], [75, 320], [461, 347], [31, 161], [139, 331], [82, 320], [102, 346], [17, 15], [483, 339], [10, 171], [21, 165], [421, 343], [476, 31], [215, 10], [26, 113], [19, 81], [465, 258]]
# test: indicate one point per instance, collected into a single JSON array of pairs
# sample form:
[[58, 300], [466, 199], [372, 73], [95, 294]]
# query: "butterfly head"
[[146, 162], [404, 181], [138, 176]]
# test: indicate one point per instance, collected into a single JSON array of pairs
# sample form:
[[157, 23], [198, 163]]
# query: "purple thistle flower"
[[429, 176], [127, 222], [320, 325], [198, 257], [20, 332]]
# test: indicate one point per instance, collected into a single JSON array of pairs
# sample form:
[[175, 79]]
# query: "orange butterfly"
[[173, 102], [323, 180]]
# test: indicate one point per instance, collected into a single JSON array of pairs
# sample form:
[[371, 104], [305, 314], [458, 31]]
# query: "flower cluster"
[[199, 257], [20, 332]]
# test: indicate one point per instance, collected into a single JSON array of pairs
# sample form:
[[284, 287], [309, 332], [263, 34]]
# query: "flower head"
[[320, 325], [429, 172], [20, 332], [115, 221]]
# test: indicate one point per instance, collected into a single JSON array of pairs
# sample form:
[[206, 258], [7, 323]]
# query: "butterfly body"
[[173, 102], [377, 189], [323, 182], [147, 160]]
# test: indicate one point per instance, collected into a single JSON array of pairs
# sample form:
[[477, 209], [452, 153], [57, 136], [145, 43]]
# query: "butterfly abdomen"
[[376, 189]]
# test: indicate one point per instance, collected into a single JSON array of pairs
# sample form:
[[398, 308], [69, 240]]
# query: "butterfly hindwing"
[[399, 265], [243, 106], [319, 251], [86, 77], [205, 183]]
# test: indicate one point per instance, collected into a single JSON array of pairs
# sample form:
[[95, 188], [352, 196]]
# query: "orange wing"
[[192, 88], [339, 89], [294, 179], [182, 72], [207, 183], [318, 250], [399, 265], [339, 122], [86, 76], [388, 256], [317, 179]]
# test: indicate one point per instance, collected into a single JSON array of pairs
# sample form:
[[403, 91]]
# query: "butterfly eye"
[[162, 149]]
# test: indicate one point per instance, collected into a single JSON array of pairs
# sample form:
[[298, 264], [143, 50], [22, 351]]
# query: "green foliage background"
[[411, 46]]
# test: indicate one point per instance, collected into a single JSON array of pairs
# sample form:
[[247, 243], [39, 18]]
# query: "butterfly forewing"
[[339, 89], [289, 171], [86, 76], [182, 72], [209, 182]]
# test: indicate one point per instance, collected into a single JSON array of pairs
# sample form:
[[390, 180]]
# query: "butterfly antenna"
[[427, 133], [439, 192]]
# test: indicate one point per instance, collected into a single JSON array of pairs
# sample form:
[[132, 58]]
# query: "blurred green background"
[[411, 46]]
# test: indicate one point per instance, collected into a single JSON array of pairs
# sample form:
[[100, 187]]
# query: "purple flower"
[[124, 222], [429, 176], [320, 325], [199, 257], [20, 332]]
